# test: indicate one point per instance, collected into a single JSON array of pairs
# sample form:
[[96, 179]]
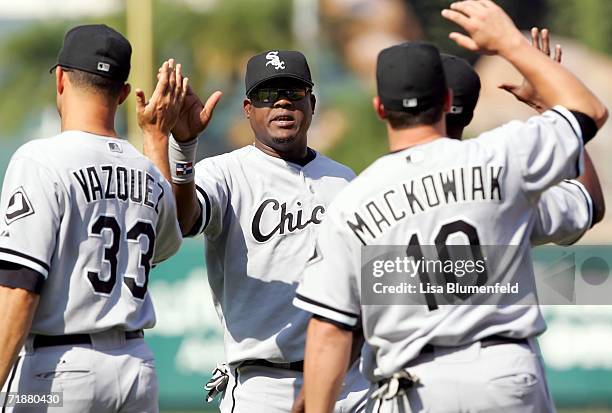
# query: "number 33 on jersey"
[[86, 216]]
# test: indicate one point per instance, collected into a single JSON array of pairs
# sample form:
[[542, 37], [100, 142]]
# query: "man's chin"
[[284, 140]]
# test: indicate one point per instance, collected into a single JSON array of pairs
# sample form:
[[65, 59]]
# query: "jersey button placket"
[[308, 183], [312, 201]]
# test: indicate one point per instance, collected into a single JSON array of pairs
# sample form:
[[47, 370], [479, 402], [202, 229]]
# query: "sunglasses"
[[271, 95]]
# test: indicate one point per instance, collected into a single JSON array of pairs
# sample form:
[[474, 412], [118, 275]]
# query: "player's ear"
[[448, 100], [379, 108], [125, 92], [59, 80], [247, 106]]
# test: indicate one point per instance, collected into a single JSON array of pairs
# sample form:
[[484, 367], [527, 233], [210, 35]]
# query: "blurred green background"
[[341, 38]]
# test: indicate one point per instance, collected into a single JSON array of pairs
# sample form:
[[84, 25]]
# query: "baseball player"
[[259, 208], [84, 216], [445, 358], [566, 210]]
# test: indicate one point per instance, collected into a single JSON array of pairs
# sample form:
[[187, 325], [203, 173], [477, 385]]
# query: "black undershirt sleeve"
[[18, 276], [587, 125]]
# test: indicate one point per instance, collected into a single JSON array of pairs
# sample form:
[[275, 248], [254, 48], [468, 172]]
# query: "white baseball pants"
[[501, 378], [111, 375], [255, 389]]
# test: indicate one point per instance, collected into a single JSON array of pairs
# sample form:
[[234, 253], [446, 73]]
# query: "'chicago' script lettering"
[[286, 221]]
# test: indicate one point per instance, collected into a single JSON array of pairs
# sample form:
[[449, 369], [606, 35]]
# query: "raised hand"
[[490, 30], [158, 116], [194, 115], [160, 113], [525, 91]]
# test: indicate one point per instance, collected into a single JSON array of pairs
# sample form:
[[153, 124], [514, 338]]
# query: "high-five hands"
[[525, 92], [160, 114], [490, 30], [194, 115]]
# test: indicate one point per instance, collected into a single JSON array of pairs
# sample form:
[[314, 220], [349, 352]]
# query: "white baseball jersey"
[[85, 216], [260, 214], [564, 214], [485, 190]]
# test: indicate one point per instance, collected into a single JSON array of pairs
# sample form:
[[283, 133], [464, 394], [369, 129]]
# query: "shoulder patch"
[[19, 206]]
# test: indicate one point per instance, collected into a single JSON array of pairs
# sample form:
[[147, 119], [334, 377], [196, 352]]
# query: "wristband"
[[182, 157]]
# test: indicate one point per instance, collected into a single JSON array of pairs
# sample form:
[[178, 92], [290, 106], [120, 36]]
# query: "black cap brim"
[[279, 76]]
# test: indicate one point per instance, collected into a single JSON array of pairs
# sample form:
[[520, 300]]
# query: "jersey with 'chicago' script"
[[259, 217]]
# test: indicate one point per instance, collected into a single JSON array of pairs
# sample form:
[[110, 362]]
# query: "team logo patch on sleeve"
[[19, 206], [184, 168]]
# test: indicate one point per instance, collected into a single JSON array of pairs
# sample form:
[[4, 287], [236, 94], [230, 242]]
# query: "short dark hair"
[[407, 118], [95, 83]]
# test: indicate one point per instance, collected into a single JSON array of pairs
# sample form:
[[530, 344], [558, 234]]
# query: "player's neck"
[[400, 139], [293, 154], [89, 116]]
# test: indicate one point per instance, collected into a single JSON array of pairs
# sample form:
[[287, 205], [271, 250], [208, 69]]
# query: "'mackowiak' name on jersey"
[[457, 185]]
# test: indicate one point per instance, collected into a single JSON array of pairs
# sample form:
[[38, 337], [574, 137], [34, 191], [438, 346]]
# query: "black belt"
[[294, 365], [74, 339], [495, 340]]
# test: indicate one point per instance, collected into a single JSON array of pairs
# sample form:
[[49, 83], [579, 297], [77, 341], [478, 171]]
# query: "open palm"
[[195, 115], [525, 92]]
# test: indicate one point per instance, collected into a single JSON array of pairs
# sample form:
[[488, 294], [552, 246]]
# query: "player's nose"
[[283, 102]]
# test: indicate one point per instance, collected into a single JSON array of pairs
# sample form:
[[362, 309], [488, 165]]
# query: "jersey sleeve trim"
[[324, 310], [17, 257], [587, 198], [336, 323], [18, 276], [197, 226], [204, 201], [571, 120]]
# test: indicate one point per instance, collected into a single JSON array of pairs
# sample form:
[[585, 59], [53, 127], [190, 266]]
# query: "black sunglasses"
[[270, 95]]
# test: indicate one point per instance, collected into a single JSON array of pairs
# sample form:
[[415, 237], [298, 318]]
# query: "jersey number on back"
[[415, 251], [104, 285]]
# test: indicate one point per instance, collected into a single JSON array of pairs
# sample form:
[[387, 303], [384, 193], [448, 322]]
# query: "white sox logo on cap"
[[274, 60]]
